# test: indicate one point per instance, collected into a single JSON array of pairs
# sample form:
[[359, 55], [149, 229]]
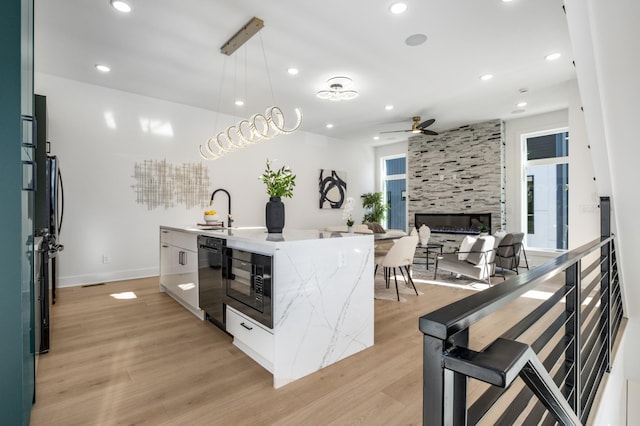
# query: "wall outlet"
[[106, 258], [342, 259]]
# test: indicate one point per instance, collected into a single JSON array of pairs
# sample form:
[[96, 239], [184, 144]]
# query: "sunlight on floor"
[[472, 286], [124, 295]]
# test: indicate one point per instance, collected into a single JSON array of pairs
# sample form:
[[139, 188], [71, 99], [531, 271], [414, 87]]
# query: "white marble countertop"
[[260, 235]]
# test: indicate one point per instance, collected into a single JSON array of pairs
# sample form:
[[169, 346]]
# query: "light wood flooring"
[[148, 361]]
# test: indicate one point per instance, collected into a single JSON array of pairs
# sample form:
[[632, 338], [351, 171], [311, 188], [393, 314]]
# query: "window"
[[546, 189], [394, 189]]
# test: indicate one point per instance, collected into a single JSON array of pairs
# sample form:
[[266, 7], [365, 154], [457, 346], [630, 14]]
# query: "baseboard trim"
[[79, 280]]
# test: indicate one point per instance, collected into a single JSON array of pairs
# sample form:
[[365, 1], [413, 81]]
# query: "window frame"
[[383, 182], [524, 163]]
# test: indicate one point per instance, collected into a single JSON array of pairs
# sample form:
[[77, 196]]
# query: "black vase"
[[274, 214]]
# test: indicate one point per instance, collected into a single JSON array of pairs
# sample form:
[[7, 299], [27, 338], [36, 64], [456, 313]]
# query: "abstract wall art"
[[160, 184], [333, 188]]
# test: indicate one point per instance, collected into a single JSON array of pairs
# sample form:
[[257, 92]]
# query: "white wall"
[[101, 215], [399, 148], [584, 216], [584, 213]]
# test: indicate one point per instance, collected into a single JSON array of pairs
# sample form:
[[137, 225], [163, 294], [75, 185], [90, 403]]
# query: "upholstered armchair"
[[478, 262], [509, 250]]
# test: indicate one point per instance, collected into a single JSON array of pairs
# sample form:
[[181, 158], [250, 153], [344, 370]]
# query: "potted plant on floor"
[[279, 183], [372, 202]]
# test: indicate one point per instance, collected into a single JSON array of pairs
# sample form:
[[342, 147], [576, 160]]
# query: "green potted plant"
[[373, 204], [279, 183]]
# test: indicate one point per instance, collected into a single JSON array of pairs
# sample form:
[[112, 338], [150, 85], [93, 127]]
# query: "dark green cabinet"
[[17, 375]]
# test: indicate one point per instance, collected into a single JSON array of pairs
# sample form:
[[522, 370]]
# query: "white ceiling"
[[170, 50]]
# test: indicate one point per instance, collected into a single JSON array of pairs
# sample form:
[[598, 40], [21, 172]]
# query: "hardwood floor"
[[146, 360]]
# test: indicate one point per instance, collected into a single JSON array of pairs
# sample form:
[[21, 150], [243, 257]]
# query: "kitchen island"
[[322, 297]]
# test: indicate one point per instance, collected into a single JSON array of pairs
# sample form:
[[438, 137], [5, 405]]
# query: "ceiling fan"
[[418, 127]]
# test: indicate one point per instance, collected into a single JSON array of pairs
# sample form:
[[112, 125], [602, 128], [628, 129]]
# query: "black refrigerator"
[[49, 213]]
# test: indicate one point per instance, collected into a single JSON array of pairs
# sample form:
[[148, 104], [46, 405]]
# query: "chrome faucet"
[[230, 218]]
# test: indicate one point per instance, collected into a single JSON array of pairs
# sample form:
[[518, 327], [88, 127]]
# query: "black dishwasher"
[[211, 273]]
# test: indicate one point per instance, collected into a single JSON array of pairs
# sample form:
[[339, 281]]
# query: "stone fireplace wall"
[[461, 170]]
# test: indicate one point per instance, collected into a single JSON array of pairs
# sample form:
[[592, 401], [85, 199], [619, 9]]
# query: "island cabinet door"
[[185, 279]]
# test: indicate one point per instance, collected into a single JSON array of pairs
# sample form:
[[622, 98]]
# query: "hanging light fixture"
[[339, 90], [259, 126]]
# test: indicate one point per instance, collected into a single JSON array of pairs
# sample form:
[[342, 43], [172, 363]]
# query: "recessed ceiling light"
[[388, 107], [375, 138], [329, 126], [415, 40], [121, 6], [293, 71], [506, 1], [486, 77], [552, 56], [239, 102], [521, 104], [398, 8], [102, 68]]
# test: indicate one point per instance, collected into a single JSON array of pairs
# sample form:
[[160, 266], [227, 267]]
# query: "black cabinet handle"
[[246, 326]]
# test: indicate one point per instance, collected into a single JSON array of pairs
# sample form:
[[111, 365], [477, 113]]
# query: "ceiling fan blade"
[[397, 131], [426, 123], [428, 132]]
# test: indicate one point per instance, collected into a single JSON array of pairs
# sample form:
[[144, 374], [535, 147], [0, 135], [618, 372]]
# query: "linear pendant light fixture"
[[259, 126]]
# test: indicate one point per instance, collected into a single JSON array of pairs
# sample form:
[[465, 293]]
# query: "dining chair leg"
[[386, 277], [375, 270], [406, 283], [395, 278], [411, 280]]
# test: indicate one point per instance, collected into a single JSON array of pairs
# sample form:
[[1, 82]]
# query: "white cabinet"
[[251, 337], [179, 268]]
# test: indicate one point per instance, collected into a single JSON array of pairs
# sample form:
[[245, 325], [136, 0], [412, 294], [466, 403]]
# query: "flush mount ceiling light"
[[521, 104], [486, 77], [388, 107], [398, 8], [329, 126], [102, 68], [293, 71], [121, 6], [552, 56], [339, 90]]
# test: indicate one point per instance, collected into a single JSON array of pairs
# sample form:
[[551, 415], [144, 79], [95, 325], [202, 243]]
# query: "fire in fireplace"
[[454, 223]]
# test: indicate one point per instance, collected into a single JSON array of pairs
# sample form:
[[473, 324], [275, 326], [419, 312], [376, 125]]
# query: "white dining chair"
[[400, 255]]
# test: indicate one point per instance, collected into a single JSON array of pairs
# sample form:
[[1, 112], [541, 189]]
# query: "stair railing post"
[[444, 391]]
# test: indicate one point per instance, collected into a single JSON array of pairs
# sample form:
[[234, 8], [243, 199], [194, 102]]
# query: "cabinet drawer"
[[250, 334], [165, 236], [185, 240]]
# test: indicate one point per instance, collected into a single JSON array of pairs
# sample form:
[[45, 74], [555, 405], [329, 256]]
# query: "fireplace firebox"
[[454, 223]]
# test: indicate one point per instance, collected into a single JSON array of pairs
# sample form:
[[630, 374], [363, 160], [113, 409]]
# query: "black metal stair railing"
[[562, 365]]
